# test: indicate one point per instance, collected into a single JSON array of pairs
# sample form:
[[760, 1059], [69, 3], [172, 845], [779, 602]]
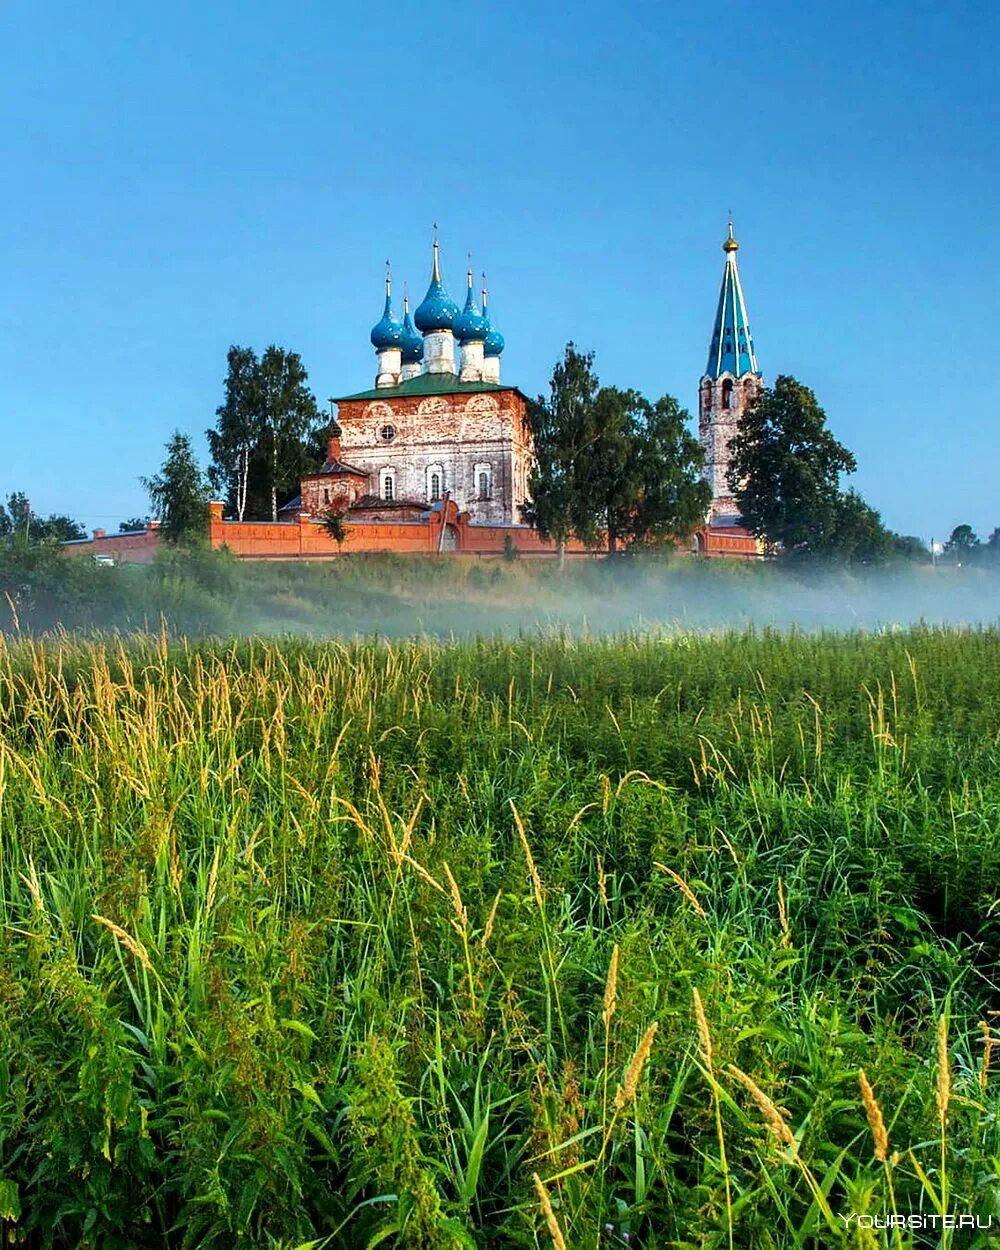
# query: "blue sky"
[[182, 177]]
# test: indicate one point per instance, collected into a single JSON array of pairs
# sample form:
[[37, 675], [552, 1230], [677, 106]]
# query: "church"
[[436, 456], [433, 424], [437, 424]]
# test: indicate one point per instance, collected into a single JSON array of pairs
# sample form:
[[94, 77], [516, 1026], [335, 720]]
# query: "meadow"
[[658, 939]]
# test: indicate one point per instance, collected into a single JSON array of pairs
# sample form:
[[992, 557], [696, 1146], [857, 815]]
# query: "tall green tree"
[[178, 494], [650, 463], [785, 470], [267, 431], [236, 437], [563, 428], [610, 462], [289, 412], [858, 535]]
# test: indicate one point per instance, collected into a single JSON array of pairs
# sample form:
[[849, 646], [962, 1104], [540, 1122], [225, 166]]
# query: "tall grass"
[[647, 940]]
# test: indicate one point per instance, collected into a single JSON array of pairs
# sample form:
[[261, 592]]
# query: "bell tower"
[[730, 384]]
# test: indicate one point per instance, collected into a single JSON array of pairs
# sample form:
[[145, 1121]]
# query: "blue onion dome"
[[470, 325], [493, 343], [389, 331], [413, 344], [439, 310]]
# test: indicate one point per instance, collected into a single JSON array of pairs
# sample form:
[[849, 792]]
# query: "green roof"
[[428, 384]]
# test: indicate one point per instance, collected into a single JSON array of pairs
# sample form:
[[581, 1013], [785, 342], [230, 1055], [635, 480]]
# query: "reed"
[[353, 940]]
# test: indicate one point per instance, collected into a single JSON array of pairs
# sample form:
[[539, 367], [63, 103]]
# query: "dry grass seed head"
[[942, 1092], [611, 988], [684, 888], [490, 921], [131, 944], [876, 1123], [772, 1116], [555, 1232], [633, 1073], [704, 1035]]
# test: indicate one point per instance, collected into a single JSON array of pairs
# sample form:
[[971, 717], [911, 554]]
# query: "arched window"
[[727, 393], [435, 482], [483, 480], [388, 485]]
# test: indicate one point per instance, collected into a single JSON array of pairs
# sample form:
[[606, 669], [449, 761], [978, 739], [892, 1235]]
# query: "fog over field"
[[374, 596]]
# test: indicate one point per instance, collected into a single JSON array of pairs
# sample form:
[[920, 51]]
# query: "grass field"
[[544, 941]]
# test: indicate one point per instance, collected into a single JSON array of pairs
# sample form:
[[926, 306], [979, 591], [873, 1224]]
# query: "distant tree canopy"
[[964, 547], [19, 522], [179, 494], [610, 461], [962, 544], [133, 523], [267, 433], [785, 473]]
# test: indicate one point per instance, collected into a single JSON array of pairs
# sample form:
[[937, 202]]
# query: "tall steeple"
[[732, 346], [730, 383]]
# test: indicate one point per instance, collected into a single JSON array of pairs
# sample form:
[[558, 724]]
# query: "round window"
[[387, 433]]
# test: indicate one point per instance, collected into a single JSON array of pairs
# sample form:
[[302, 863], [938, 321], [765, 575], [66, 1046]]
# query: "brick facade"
[[475, 447]]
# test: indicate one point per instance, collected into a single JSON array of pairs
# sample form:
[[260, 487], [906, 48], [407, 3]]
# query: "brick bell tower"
[[729, 385]]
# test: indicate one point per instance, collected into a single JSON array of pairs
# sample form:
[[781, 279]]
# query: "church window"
[[483, 478], [727, 394], [435, 482], [389, 485], [387, 433]]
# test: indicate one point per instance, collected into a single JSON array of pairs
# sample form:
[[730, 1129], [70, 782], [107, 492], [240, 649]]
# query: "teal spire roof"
[[732, 345], [438, 310], [389, 331], [470, 325], [413, 344], [494, 342]]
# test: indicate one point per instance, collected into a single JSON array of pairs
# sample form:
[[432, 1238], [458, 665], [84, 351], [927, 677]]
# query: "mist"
[[211, 593]]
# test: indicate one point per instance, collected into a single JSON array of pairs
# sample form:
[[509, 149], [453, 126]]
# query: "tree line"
[[611, 467]]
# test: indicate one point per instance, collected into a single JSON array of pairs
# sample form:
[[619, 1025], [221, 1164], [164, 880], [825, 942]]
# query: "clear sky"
[[186, 176]]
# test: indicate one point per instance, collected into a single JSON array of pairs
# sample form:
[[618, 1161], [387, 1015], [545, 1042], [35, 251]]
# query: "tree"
[[18, 521], [962, 546], [57, 528], [660, 494], [133, 523], [910, 547], [562, 427], [179, 495], [609, 460], [238, 430], [857, 535], [991, 552], [785, 470], [266, 435], [289, 410]]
